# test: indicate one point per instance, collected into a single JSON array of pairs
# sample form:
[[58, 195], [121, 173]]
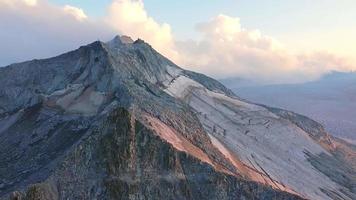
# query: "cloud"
[[38, 29], [76, 12], [228, 50], [31, 2], [131, 18]]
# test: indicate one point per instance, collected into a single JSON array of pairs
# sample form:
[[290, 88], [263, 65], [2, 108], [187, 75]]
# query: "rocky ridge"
[[117, 120]]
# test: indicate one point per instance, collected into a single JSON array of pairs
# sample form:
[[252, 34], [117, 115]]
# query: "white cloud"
[[131, 18], [76, 12], [228, 50], [42, 30], [37, 29], [17, 3], [31, 2]]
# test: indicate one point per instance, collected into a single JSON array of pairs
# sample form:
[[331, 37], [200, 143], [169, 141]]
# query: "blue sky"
[[272, 17], [301, 24], [275, 40]]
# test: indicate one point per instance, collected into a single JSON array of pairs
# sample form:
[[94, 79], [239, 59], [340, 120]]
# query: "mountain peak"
[[120, 40], [120, 114], [126, 39]]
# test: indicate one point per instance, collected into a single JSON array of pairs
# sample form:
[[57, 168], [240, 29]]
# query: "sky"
[[268, 41], [303, 24]]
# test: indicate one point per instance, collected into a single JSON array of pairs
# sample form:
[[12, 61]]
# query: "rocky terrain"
[[117, 120]]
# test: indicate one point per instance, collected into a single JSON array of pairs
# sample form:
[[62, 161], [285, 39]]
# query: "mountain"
[[330, 100], [117, 120]]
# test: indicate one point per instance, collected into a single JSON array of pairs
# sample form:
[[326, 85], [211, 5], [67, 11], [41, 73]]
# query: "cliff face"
[[123, 159], [117, 120]]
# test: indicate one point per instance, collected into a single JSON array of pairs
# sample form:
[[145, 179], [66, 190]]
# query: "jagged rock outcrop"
[[117, 120]]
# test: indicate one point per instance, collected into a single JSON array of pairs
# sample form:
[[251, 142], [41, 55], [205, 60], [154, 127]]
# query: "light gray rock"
[[117, 120]]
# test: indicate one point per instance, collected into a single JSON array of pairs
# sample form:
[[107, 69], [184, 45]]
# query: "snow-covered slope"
[[259, 139], [330, 100], [117, 120]]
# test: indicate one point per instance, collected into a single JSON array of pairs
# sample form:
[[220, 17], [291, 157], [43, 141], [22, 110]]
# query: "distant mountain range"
[[117, 120], [330, 100]]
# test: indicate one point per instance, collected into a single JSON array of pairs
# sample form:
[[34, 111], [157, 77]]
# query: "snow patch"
[[81, 101], [265, 143], [179, 88], [172, 73], [69, 88]]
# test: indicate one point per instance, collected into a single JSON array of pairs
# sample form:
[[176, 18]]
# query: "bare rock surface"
[[117, 120]]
